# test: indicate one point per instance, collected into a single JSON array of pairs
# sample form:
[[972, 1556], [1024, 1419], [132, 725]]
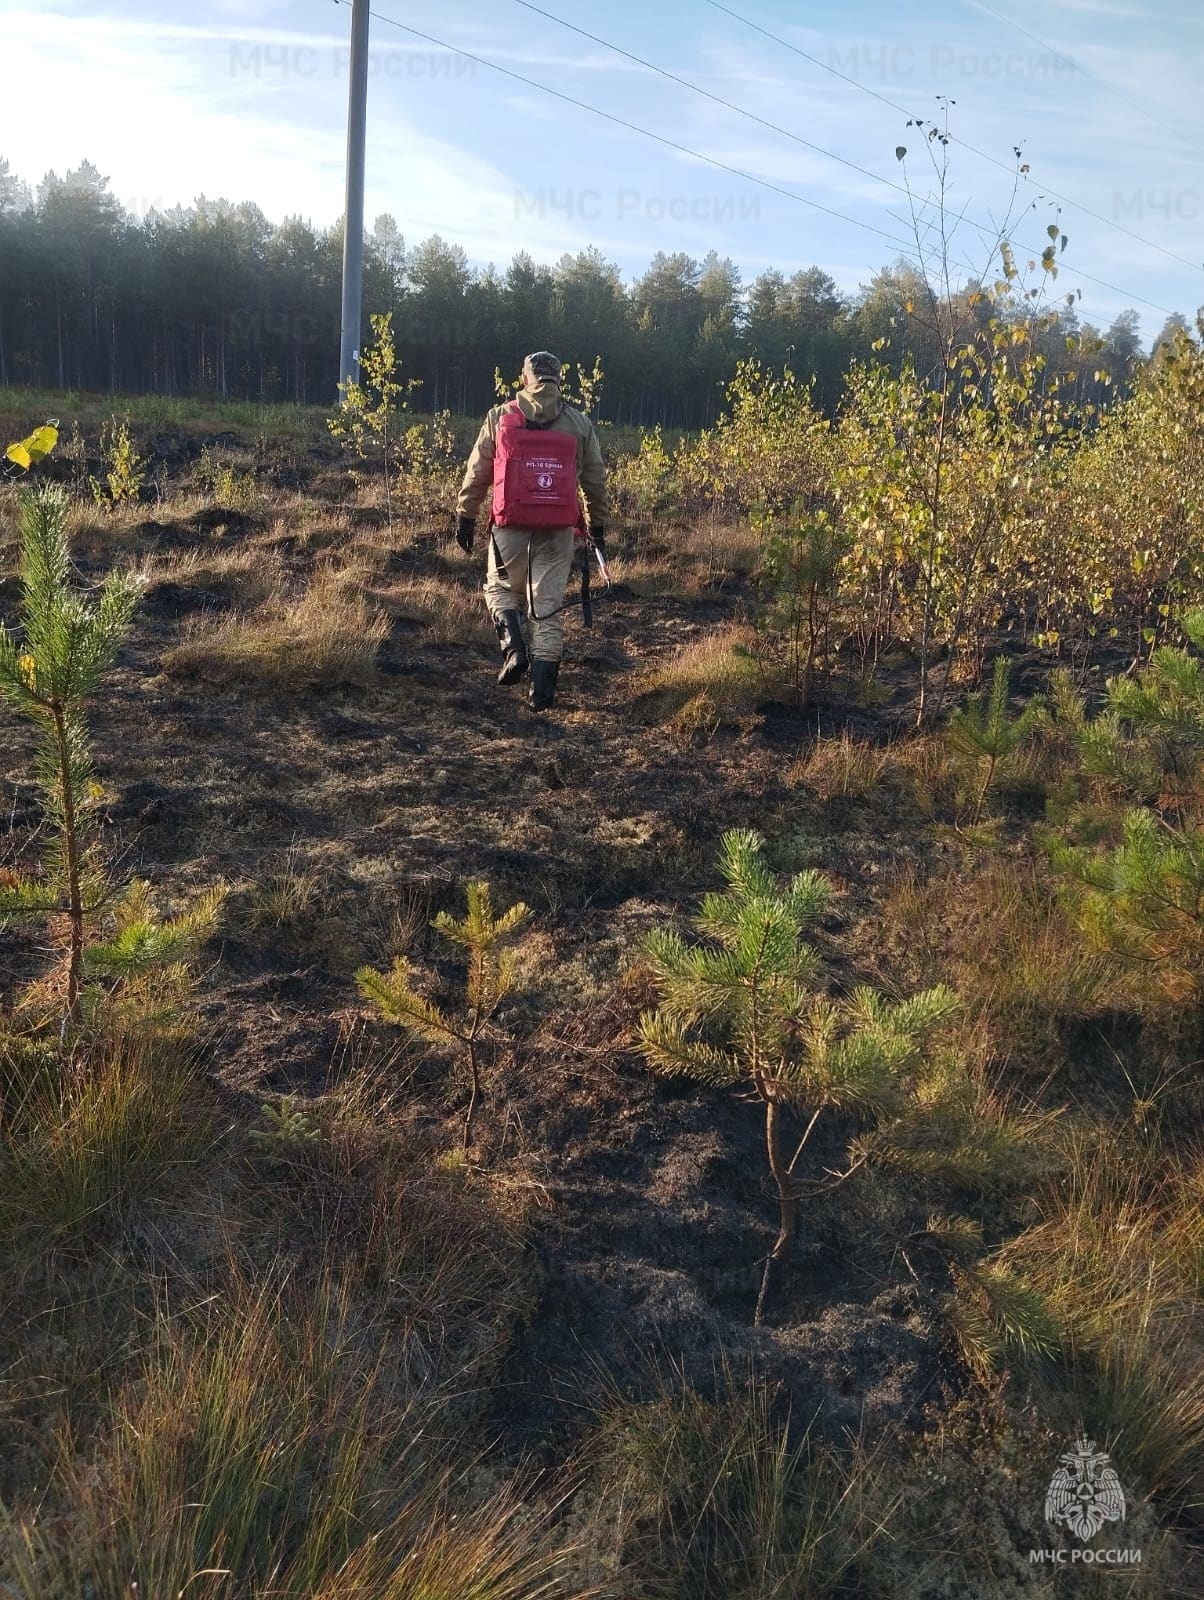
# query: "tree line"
[[215, 299]]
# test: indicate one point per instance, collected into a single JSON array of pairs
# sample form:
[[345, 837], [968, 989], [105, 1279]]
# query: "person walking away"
[[539, 456]]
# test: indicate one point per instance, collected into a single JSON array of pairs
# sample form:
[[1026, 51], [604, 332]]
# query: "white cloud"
[[240, 100], [1095, 8]]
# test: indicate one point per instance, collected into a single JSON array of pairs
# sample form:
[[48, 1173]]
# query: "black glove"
[[598, 534], [466, 530]]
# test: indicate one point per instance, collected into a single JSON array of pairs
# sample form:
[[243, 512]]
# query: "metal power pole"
[[353, 234]]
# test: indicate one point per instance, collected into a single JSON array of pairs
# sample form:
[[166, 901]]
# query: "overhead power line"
[[685, 83], [634, 127], [1110, 88], [730, 105], [903, 245], [984, 155], [742, 111]]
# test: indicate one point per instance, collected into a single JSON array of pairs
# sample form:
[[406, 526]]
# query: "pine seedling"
[[742, 1009], [1148, 742], [983, 735], [1060, 746], [67, 643], [48, 673], [1140, 897], [489, 978], [996, 1313], [147, 961], [957, 1236], [1142, 901], [286, 1130], [953, 1128]]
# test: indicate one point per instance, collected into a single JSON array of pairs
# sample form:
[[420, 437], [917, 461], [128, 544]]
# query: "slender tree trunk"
[[388, 482], [786, 1202], [963, 599], [75, 907], [474, 1069], [935, 513], [985, 786]]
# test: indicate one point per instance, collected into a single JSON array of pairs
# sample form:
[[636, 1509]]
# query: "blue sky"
[[246, 99]]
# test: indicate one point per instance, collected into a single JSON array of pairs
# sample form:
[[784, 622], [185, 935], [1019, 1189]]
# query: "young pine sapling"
[[1135, 884], [66, 644], [489, 978], [985, 737], [743, 1008], [48, 671]]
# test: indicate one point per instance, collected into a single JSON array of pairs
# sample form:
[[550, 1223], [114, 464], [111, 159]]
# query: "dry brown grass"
[[269, 1448], [305, 527], [448, 613], [1106, 1273], [719, 666], [929, 773], [725, 550], [694, 1496], [1002, 940], [690, 560], [844, 767], [246, 573], [82, 1146], [286, 896], [649, 575], [327, 636]]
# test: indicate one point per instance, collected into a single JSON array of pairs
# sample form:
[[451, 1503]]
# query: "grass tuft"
[[327, 637], [691, 1496], [842, 767], [267, 1450], [718, 667], [83, 1145]]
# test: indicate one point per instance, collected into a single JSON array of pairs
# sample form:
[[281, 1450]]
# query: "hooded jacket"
[[541, 403]]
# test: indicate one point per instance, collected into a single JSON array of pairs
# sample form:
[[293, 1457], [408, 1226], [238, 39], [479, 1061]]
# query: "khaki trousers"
[[506, 588]]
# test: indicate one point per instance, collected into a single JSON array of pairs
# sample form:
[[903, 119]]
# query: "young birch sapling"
[[368, 408], [489, 978], [743, 1008], [799, 574], [125, 469]]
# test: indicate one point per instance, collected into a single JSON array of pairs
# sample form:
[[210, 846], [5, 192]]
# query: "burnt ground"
[[653, 1206]]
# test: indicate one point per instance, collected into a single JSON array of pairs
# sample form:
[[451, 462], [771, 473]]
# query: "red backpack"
[[534, 474]]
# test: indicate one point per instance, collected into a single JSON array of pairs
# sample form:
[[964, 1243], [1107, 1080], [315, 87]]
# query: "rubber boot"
[[543, 684], [514, 648]]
